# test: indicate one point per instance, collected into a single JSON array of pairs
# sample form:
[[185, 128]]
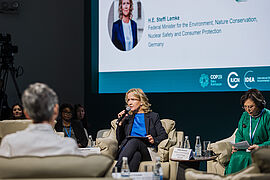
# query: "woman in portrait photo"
[[124, 31]]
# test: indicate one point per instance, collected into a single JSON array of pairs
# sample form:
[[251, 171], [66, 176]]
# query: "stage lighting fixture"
[[9, 6], [15, 5]]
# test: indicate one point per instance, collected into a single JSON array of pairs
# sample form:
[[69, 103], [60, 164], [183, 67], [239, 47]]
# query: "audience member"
[[139, 129], [39, 139], [71, 127], [17, 112], [253, 127], [80, 114]]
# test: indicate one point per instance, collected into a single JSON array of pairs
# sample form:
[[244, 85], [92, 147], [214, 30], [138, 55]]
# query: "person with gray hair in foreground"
[[39, 139]]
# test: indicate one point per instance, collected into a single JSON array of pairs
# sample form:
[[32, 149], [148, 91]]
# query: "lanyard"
[[68, 134], [252, 136]]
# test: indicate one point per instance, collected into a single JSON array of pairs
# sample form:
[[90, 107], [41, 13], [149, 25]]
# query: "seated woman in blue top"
[[139, 122], [124, 32]]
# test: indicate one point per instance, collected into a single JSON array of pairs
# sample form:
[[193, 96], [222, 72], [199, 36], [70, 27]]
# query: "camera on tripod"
[[7, 49]]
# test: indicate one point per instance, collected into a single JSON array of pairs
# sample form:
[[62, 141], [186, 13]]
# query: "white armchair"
[[109, 146], [222, 149], [258, 170], [12, 126]]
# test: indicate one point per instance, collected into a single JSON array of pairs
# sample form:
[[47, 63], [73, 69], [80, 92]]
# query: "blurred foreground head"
[[40, 103]]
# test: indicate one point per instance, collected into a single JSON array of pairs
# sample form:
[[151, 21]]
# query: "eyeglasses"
[[66, 112], [133, 99], [249, 107]]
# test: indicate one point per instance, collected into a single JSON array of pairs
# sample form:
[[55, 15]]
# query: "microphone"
[[122, 118]]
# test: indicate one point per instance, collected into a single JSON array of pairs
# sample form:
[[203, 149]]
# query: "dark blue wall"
[[50, 38]]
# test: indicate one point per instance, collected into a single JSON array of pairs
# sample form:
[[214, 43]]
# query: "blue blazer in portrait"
[[118, 37]]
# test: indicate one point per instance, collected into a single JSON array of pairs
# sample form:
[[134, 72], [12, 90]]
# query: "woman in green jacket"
[[253, 127]]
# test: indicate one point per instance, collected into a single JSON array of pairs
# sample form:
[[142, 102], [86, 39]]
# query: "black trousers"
[[136, 151]]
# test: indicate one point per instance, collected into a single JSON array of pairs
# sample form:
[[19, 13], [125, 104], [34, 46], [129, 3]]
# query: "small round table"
[[192, 163]]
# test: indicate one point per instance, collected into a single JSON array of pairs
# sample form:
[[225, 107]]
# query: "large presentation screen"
[[184, 45]]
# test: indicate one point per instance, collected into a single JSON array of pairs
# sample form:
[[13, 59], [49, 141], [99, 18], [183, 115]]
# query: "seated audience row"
[[71, 127], [71, 121], [41, 105], [79, 113]]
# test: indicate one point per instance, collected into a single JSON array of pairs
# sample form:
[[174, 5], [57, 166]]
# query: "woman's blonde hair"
[[120, 9], [138, 93]]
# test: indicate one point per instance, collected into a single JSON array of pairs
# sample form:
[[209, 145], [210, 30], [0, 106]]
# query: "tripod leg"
[[12, 72], [5, 111], [4, 108]]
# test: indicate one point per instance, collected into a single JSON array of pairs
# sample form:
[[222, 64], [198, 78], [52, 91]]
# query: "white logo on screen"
[[233, 80], [249, 79]]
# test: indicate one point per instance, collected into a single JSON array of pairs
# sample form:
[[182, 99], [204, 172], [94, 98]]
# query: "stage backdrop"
[[187, 46], [213, 115]]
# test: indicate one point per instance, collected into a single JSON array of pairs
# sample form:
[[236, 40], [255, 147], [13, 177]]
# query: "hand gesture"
[[234, 149], [121, 113], [150, 139], [252, 147]]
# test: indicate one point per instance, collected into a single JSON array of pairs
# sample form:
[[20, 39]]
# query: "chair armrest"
[[163, 150], [251, 172], [222, 150], [108, 146], [201, 175], [165, 145], [215, 167]]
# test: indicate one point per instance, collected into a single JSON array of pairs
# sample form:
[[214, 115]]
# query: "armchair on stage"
[[222, 149], [259, 170], [12, 126], [109, 146], [57, 167]]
